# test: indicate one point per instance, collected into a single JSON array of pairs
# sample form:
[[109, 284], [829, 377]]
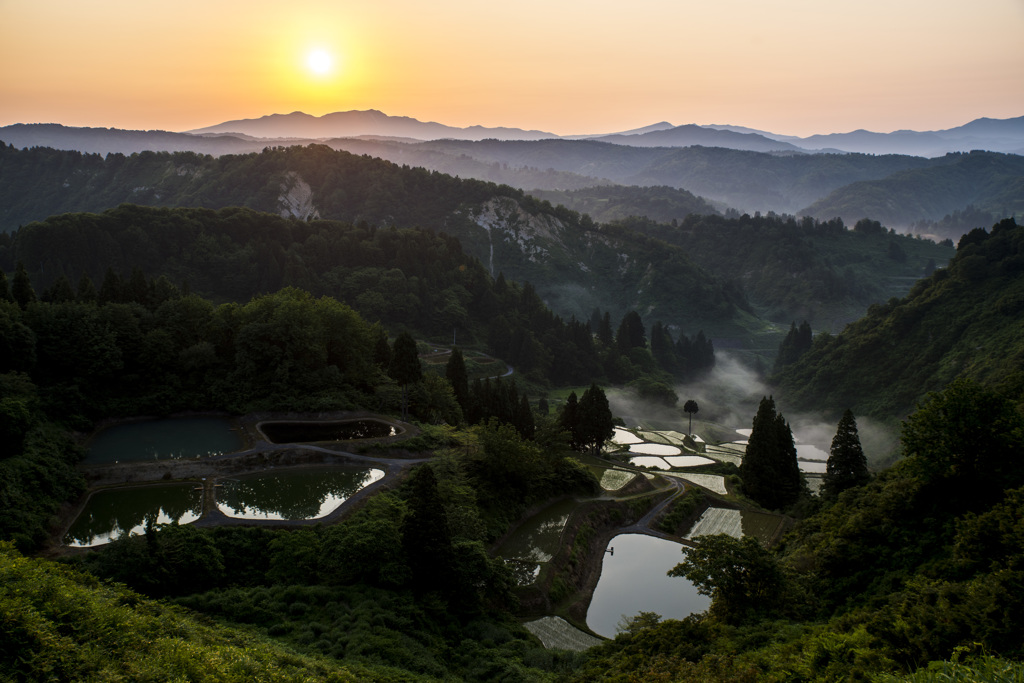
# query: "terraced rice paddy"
[[717, 521], [650, 461], [688, 461], [736, 523], [712, 482], [762, 525], [655, 437], [654, 449], [726, 453], [556, 633], [624, 438], [613, 480]]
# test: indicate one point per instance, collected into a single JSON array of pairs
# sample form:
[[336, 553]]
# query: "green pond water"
[[634, 579], [108, 515], [536, 540], [338, 430], [292, 495], [185, 437]]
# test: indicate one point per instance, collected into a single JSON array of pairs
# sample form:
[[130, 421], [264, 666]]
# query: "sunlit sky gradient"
[[568, 67]]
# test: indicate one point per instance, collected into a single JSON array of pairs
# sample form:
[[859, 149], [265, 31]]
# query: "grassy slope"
[[62, 625]]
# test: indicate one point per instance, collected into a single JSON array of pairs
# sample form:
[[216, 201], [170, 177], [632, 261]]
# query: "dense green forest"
[[570, 262], [801, 269], [404, 279], [985, 181], [964, 320], [700, 273], [608, 203]]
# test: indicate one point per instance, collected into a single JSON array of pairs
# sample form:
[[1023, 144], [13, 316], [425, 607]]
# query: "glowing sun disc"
[[319, 61]]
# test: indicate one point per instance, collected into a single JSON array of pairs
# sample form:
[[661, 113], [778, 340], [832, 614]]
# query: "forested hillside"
[[693, 276], [985, 181], [792, 270], [964, 320], [572, 265]]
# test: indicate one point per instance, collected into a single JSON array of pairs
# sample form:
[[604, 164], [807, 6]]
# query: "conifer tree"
[[594, 423], [455, 371], [405, 366], [525, 424], [569, 419], [847, 467], [604, 330], [5, 290], [631, 333], [86, 290], [60, 291], [770, 473], [21, 287], [690, 407]]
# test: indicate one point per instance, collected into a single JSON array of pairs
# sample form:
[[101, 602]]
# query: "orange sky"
[[789, 66]]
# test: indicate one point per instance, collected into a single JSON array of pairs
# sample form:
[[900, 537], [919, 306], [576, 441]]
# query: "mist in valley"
[[728, 400]]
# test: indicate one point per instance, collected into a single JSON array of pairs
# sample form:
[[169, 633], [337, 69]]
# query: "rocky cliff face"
[[296, 200]]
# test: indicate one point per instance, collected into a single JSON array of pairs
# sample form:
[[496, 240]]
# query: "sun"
[[320, 62]]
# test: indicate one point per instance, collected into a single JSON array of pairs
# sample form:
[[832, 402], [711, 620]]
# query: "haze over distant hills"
[[994, 135], [850, 175]]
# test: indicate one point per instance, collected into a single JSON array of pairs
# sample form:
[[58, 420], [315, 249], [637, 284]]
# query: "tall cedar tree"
[[455, 371], [569, 420], [21, 287], [691, 407], [847, 467], [770, 473], [797, 342], [5, 290], [405, 366], [631, 334], [425, 535], [594, 420]]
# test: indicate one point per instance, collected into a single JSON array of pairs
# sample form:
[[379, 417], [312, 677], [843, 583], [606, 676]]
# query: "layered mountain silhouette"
[[849, 175]]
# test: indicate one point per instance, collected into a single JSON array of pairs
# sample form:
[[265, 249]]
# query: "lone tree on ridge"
[[691, 407]]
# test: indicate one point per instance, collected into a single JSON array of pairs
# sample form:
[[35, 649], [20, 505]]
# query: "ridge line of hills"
[[823, 186]]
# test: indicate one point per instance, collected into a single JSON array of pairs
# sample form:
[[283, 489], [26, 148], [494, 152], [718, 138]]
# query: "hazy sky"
[[789, 66]]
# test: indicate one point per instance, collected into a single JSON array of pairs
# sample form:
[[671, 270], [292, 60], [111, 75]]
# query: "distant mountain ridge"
[[987, 134], [994, 135], [360, 123]]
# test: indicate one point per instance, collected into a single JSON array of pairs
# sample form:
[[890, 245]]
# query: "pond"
[[113, 513], [634, 579], [178, 437], [537, 538], [343, 430], [292, 495]]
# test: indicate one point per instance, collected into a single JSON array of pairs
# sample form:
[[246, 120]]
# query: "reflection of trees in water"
[[118, 512], [523, 573], [293, 495]]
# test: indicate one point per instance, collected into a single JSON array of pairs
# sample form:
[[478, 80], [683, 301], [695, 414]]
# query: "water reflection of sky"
[[635, 579], [622, 437], [109, 515], [654, 449], [309, 494]]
